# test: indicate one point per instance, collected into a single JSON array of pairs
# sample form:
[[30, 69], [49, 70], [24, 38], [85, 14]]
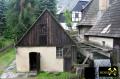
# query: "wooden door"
[[34, 60], [67, 64], [38, 62]]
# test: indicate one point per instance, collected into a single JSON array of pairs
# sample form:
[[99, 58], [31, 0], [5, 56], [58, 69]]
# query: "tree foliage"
[[68, 19], [2, 16], [22, 13], [49, 4]]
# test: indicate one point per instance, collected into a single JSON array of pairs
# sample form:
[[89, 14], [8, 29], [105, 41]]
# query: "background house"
[[45, 46], [91, 14], [74, 6], [99, 28], [107, 31]]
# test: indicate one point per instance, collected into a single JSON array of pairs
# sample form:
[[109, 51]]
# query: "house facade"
[[75, 7], [103, 25], [98, 27], [45, 47], [91, 14], [106, 31]]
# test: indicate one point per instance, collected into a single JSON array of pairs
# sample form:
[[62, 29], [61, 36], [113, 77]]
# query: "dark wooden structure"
[[110, 18], [46, 31], [116, 51]]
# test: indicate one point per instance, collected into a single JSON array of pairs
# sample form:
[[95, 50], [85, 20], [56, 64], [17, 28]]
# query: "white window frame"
[[74, 18], [59, 52]]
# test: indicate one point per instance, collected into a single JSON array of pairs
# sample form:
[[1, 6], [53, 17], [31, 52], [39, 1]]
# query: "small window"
[[103, 42], [59, 52], [76, 15]]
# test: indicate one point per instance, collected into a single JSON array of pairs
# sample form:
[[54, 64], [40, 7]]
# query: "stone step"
[[32, 74]]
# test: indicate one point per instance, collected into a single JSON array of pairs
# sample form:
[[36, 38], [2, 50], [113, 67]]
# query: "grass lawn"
[[60, 75], [6, 58]]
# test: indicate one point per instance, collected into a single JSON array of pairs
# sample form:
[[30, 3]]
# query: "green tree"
[[19, 17], [42, 4], [68, 19], [2, 16], [22, 13]]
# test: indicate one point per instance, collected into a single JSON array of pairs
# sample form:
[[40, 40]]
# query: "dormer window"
[[103, 42]]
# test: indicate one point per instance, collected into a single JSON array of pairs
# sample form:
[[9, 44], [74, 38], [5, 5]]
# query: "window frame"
[[76, 16], [59, 52]]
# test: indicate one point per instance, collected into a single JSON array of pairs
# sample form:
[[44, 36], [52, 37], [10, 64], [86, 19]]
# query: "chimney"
[[103, 4]]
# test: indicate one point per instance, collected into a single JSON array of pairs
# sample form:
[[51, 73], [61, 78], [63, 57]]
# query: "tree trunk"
[[22, 3]]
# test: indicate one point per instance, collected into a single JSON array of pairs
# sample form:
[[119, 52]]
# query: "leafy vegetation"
[[22, 13], [2, 16], [53, 75], [42, 4], [68, 19]]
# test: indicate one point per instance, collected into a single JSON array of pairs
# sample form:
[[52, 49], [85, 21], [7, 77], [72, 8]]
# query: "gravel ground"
[[10, 72]]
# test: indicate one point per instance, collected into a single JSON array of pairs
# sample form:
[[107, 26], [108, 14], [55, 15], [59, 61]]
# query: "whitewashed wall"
[[99, 40], [48, 61]]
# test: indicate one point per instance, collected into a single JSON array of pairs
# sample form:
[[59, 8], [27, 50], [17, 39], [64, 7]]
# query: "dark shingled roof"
[[62, 5], [80, 5], [90, 13], [109, 25]]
